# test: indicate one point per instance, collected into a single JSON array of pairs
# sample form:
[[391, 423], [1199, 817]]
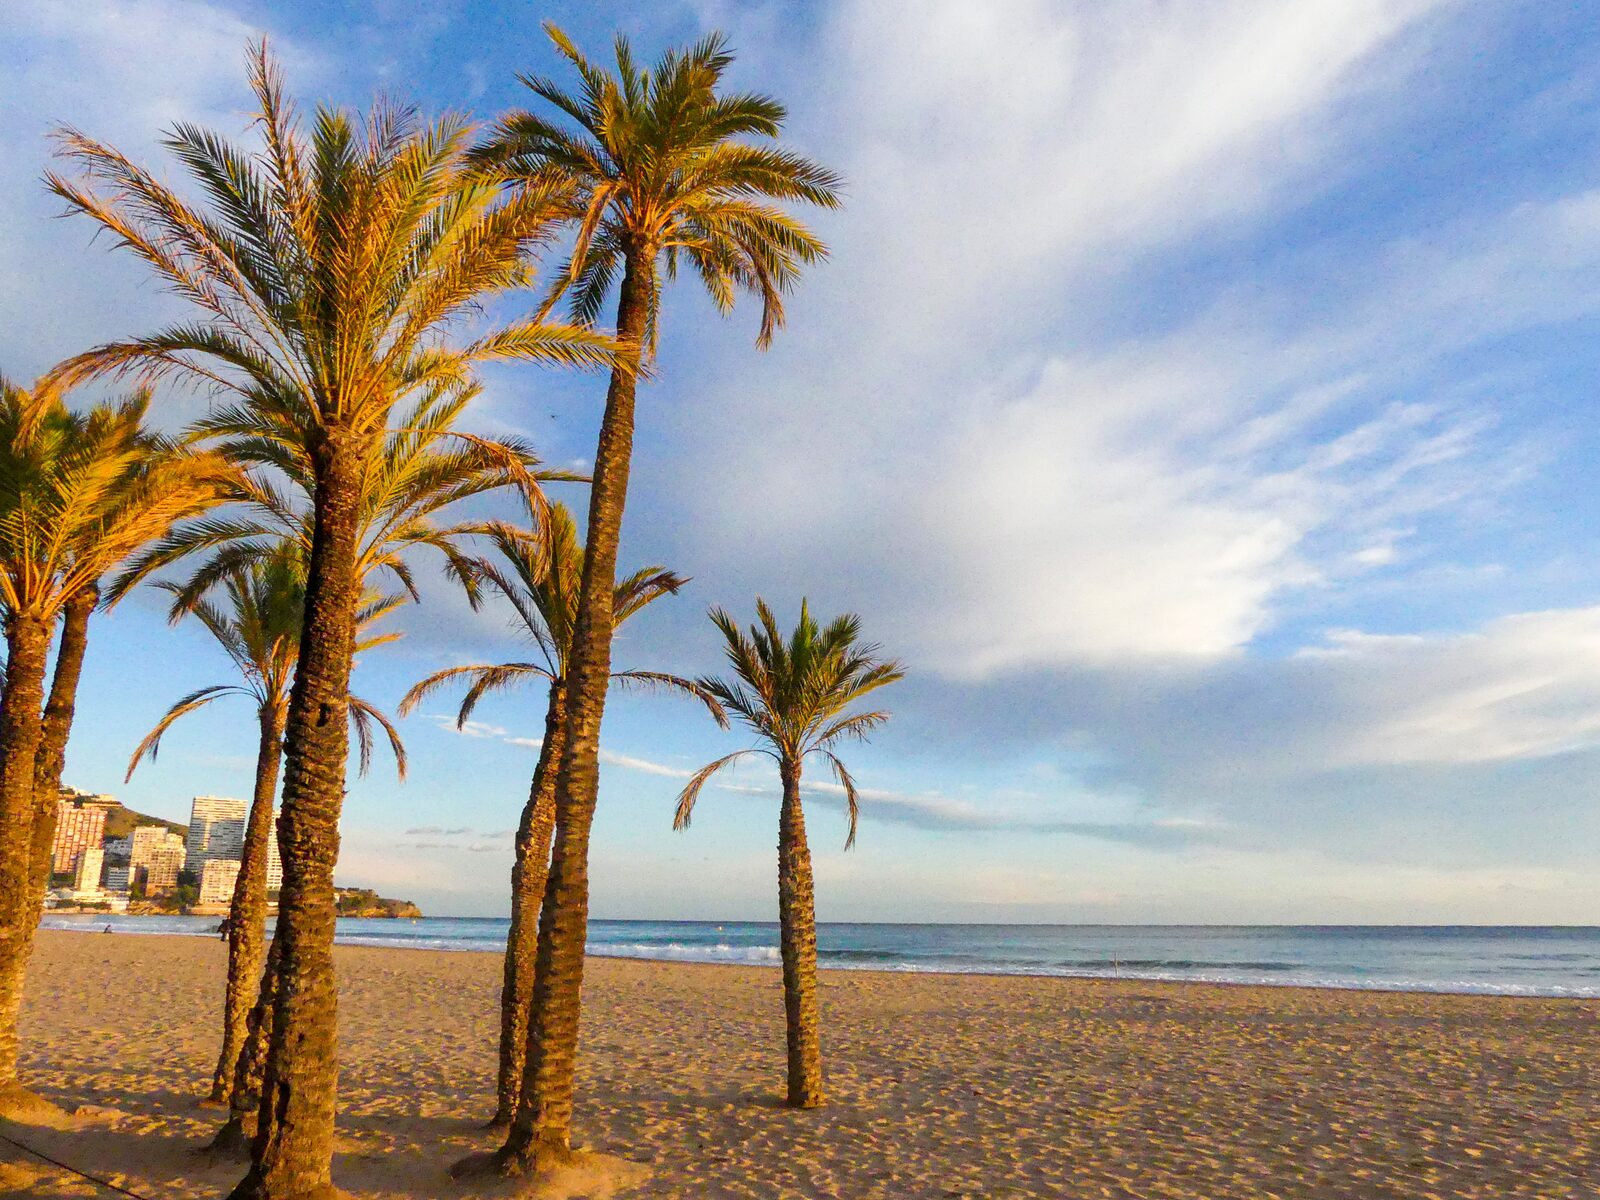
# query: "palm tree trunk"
[[528, 875], [247, 917], [543, 1126], [246, 1097], [51, 760], [797, 915], [27, 652], [292, 1153]]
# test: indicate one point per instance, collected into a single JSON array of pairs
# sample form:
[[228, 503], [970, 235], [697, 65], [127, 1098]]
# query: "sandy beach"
[[941, 1086]]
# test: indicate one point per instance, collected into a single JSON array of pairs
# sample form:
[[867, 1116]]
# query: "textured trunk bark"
[[51, 760], [542, 1129], [247, 918], [797, 915], [292, 1152], [528, 875], [27, 651], [234, 1136]]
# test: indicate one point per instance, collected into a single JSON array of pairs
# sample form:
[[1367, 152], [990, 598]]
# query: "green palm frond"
[[795, 692]]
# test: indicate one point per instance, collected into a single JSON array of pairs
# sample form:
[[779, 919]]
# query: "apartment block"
[[80, 825], [155, 857]]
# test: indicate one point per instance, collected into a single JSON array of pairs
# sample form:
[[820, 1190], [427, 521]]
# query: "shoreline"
[[1379, 989], [939, 1085]]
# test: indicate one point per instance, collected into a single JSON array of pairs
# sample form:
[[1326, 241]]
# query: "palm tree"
[[258, 626], [327, 267], [79, 493], [653, 165], [796, 696], [413, 473], [540, 577]]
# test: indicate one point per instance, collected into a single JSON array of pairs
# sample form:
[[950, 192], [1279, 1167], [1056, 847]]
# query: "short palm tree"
[[658, 169], [797, 696], [79, 494], [540, 577], [328, 269], [257, 624]]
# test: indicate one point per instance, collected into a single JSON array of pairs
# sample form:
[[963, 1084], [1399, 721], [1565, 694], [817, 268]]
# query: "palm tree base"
[[26, 1107], [814, 1100], [554, 1171], [232, 1141], [251, 1187]]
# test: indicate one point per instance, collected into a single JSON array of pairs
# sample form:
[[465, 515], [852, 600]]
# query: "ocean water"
[[1514, 961]]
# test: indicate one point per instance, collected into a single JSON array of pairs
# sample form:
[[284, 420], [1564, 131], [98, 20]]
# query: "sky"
[[1198, 399]]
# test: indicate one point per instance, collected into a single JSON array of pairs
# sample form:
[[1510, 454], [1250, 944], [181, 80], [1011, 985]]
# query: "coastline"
[[941, 1085], [487, 936]]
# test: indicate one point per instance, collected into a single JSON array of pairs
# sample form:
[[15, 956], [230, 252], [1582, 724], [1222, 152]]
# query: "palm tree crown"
[[796, 695], [656, 166], [540, 577], [258, 625], [325, 267], [80, 492]]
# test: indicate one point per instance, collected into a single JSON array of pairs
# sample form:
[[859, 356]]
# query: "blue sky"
[[1198, 400]]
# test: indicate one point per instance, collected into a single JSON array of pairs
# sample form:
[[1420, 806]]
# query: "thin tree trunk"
[[797, 916], [247, 917], [292, 1152], [542, 1129], [234, 1137], [51, 760], [27, 652], [528, 875]]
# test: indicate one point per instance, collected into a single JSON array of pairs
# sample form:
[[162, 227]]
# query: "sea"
[[1486, 960]]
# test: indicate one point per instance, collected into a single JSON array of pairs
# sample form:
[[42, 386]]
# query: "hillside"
[[122, 821]]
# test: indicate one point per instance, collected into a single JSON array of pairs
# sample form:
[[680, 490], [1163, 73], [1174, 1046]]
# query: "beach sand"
[[940, 1086]]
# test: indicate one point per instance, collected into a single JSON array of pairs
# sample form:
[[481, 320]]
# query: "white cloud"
[[123, 71], [1525, 686], [996, 493]]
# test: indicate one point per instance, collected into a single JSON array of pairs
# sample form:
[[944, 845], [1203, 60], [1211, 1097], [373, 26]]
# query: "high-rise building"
[[117, 879], [80, 824], [274, 861], [86, 880], [216, 830], [155, 857], [217, 878]]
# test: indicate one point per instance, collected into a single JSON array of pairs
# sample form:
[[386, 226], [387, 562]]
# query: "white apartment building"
[[217, 878], [216, 830], [274, 861], [156, 855], [86, 881]]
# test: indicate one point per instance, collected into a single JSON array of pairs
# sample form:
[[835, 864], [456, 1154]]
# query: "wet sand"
[[941, 1086]]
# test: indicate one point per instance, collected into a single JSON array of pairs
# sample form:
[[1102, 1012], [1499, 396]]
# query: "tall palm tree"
[[795, 695], [79, 493], [655, 166], [328, 267], [540, 578], [258, 627], [414, 473]]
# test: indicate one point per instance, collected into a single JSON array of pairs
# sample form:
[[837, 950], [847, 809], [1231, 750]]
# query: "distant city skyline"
[[1199, 400]]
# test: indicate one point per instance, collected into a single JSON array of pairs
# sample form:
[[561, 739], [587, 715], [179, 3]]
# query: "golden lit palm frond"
[[81, 493], [327, 263], [657, 161]]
